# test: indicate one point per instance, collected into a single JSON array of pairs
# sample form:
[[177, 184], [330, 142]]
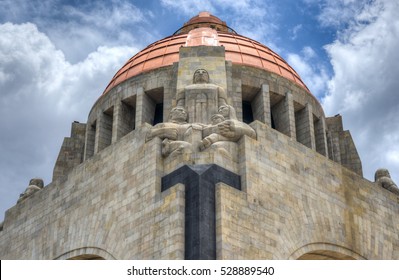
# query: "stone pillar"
[[261, 106], [145, 108], [334, 127], [321, 136], [103, 131], [284, 116], [124, 120], [90, 140], [304, 127], [200, 216], [117, 123]]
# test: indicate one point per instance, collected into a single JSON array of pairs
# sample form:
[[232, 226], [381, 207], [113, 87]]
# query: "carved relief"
[[383, 178], [174, 133], [202, 98], [225, 127], [35, 184], [205, 105]]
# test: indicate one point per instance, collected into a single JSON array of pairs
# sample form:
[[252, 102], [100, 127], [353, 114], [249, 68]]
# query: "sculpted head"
[[224, 110], [201, 76], [178, 115], [381, 173], [228, 112], [36, 182], [217, 118]]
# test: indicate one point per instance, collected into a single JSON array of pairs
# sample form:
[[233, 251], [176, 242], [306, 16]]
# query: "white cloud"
[[340, 13], [107, 15], [79, 29], [365, 84], [295, 30], [244, 16], [41, 94], [312, 72], [189, 8]]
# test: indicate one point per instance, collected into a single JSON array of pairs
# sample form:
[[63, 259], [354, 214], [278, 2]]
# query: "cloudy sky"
[[57, 56]]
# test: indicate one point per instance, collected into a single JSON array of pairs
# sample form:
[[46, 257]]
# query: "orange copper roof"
[[238, 49]]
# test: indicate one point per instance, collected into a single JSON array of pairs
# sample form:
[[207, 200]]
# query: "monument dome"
[[206, 29]]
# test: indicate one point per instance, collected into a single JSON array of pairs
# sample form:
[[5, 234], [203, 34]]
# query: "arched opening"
[[325, 255], [87, 257], [325, 251], [86, 253]]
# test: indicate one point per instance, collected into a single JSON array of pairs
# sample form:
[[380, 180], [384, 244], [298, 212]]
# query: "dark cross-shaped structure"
[[200, 220]]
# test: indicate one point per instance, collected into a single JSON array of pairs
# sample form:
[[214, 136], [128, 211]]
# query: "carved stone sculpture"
[[174, 133], [201, 98], [201, 76], [225, 127], [383, 178], [206, 103], [35, 184]]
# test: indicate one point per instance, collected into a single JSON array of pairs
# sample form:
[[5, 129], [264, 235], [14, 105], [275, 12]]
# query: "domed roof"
[[206, 29]]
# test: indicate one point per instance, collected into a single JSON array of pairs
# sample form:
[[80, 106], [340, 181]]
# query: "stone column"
[[261, 106], [145, 108], [304, 127], [103, 131], [90, 140], [124, 120], [117, 123], [320, 136], [284, 116]]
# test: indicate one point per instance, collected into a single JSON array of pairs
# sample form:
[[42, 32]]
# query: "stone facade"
[[286, 185]]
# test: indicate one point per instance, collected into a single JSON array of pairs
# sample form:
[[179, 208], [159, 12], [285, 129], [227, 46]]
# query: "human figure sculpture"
[[225, 127], [214, 137], [201, 76], [383, 178], [201, 98], [35, 184], [174, 133]]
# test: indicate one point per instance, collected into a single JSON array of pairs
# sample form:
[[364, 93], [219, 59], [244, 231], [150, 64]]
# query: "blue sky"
[[56, 58]]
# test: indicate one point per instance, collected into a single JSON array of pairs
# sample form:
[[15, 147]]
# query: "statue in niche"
[[174, 133], [202, 98], [383, 178], [35, 184], [225, 127]]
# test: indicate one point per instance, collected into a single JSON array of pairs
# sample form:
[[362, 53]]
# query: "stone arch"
[[86, 253], [324, 251]]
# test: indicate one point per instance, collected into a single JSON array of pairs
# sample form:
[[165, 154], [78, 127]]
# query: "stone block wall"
[[341, 146], [293, 203], [111, 203], [71, 152], [296, 202]]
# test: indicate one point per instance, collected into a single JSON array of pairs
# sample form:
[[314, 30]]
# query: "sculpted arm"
[[164, 130], [222, 97], [235, 129], [208, 130]]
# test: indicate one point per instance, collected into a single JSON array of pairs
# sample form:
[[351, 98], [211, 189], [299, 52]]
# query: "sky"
[[57, 57]]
